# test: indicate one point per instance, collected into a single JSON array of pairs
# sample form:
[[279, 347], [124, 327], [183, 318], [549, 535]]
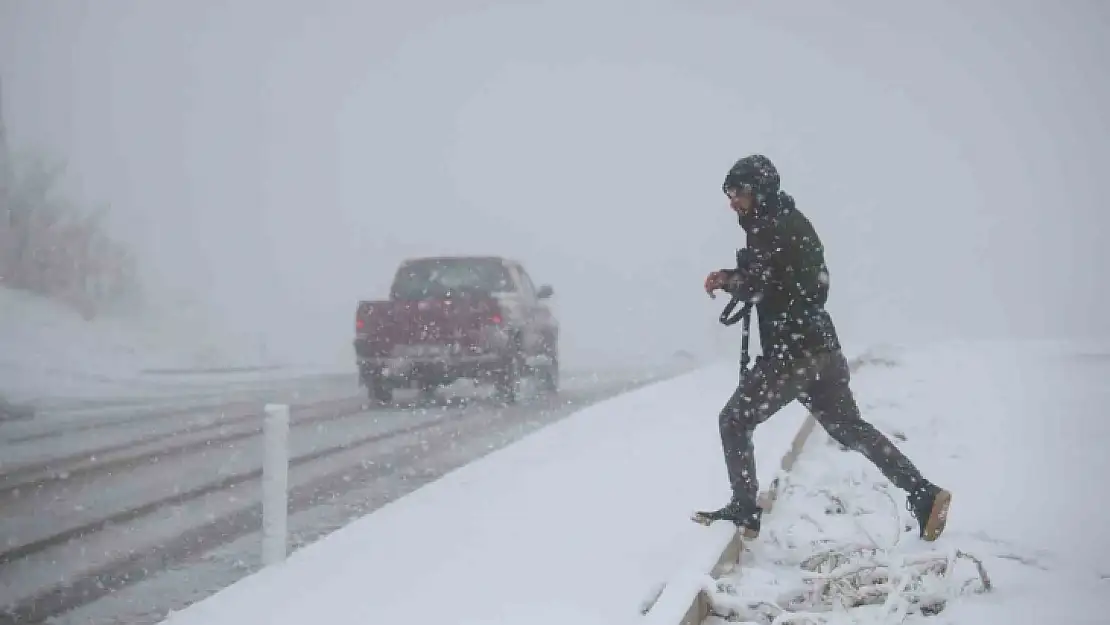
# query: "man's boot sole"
[[702, 518], [938, 517]]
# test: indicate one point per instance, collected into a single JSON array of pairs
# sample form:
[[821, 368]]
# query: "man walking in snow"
[[783, 273]]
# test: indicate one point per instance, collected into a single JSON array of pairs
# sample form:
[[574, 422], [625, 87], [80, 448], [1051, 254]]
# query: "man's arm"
[[748, 281]]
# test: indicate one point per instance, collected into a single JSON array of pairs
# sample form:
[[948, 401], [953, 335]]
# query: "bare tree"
[[53, 247]]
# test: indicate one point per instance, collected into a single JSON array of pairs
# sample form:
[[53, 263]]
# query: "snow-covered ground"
[[50, 355], [1018, 433], [577, 523], [581, 522]]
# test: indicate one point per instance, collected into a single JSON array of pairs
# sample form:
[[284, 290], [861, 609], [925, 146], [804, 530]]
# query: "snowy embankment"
[[1017, 432], [582, 521], [49, 354]]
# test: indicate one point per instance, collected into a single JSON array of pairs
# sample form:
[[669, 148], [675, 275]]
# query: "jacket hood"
[[756, 173]]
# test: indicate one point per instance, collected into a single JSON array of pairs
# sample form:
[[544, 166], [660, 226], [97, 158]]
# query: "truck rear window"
[[440, 278]]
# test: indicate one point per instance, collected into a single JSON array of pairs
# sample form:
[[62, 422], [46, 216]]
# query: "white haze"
[[278, 158]]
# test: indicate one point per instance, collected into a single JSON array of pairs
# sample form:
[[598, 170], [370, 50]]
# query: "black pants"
[[820, 382]]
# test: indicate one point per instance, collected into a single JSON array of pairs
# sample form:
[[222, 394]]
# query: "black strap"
[[744, 314]]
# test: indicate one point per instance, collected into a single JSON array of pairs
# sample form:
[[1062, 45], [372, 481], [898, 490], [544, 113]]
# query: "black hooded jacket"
[[785, 274]]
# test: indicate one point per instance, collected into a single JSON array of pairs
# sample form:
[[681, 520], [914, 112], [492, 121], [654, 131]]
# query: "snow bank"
[[577, 523], [49, 352], [1017, 432]]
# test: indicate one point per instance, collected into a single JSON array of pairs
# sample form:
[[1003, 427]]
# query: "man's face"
[[742, 201]]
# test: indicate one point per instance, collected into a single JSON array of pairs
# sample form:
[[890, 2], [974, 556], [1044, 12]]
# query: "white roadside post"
[[275, 483]]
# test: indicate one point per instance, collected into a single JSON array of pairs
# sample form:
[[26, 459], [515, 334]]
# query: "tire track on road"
[[224, 483], [89, 463]]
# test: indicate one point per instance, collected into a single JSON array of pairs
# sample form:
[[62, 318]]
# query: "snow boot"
[[929, 505], [746, 517]]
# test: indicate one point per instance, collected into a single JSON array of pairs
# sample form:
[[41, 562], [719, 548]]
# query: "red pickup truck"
[[477, 317]]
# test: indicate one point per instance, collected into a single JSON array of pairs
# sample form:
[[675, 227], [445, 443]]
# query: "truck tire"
[[549, 375], [428, 390], [507, 380], [378, 391]]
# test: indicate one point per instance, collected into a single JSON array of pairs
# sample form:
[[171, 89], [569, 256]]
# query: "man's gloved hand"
[[717, 280]]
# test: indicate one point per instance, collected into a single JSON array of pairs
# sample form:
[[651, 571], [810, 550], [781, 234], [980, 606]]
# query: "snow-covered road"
[[96, 511]]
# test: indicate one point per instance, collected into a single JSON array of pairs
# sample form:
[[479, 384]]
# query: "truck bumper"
[[402, 370]]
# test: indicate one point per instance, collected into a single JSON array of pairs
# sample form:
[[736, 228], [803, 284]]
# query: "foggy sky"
[[277, 159]]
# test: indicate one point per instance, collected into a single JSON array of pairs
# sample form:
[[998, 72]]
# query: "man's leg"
[[829, 398], [768, 387]]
